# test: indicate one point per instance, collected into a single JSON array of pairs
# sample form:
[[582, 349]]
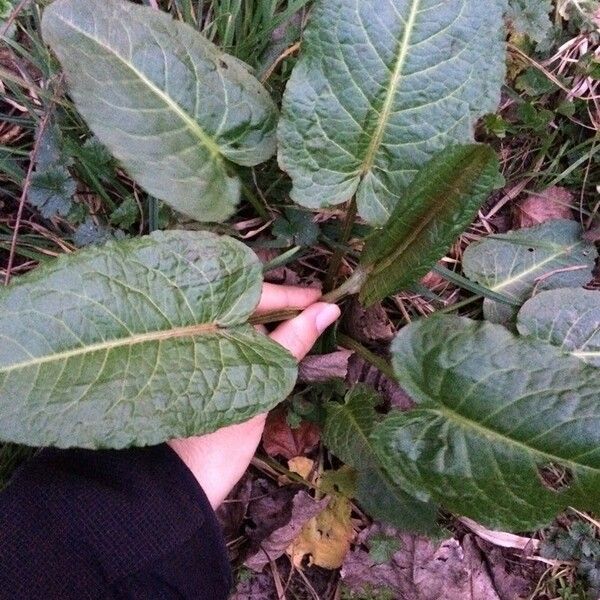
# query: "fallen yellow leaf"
[[326, 538], [301, 466]]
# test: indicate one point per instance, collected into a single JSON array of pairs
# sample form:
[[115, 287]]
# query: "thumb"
[[298, 335]]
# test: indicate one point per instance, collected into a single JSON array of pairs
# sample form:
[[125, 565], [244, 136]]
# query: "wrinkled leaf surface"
[[167, 103], [135, 343], [568, 318], [507, 428], [526, 261], [347, 433], [381, 85], [441, 202], [531, 17]]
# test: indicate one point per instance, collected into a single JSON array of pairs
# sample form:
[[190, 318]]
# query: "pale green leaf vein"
[[191, 124], [395, 80]]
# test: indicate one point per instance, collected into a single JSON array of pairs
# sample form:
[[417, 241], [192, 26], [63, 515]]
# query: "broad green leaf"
[[296, 227], [381, 85], [442, 200], [495, 414], [526, 261], [168, 104], [347, 434], [135, 343], [568, 318]]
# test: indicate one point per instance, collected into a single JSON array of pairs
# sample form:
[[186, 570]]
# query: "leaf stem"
[[377, 361], [256, 202], [43, 124], [351, 286], [336, 259], [153, 218], [275, 316], [282, 259]]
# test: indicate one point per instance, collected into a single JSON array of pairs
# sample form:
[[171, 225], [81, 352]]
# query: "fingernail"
[[326, 316]]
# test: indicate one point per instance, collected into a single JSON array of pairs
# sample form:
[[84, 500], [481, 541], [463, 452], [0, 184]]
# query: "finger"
[[280, 297], [298, 335]]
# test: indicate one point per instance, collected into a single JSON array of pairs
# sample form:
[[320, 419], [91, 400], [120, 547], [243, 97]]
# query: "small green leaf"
[[521, 262], [535, 83], [137, 342], [51, 191], [496, 125], [6, 7], [534, 118], [496, 413], [346, 433], [52, 187], [568, 318], [296, 228], [51, 151], [126, 214], [382, 547], [381, 86], [441, 202], [94, 157], [91, 233], [167, 103]]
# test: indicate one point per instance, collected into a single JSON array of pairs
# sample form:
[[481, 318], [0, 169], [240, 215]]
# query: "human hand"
[[218, 460]]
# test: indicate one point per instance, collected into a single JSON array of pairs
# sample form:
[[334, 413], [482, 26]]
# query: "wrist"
[[218, 460]]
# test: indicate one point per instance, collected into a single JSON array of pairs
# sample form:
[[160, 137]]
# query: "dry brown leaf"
[[361, 371], [301, 466], [553, 203], [425, 570], [326, 538], [304, 508], [368, 325], [433, 279], [280, 439], [501, 538], [281, 275], [232, 512], [323, 367]]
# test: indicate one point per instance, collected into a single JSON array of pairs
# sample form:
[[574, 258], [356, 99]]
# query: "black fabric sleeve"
[[123, 524]]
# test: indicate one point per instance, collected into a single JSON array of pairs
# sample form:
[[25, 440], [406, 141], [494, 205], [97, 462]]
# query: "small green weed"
[[579, 546]]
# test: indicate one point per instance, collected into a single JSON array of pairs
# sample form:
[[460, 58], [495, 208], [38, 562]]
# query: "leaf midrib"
[[108, 345], [584, 353], [564, 250], [426, 219], [395, 80], [190, 123], [466, 423]]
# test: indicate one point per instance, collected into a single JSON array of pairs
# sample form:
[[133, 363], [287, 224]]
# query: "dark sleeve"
[[127, 524]]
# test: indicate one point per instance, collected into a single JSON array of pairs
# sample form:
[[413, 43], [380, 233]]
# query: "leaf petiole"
[[350, 287]]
